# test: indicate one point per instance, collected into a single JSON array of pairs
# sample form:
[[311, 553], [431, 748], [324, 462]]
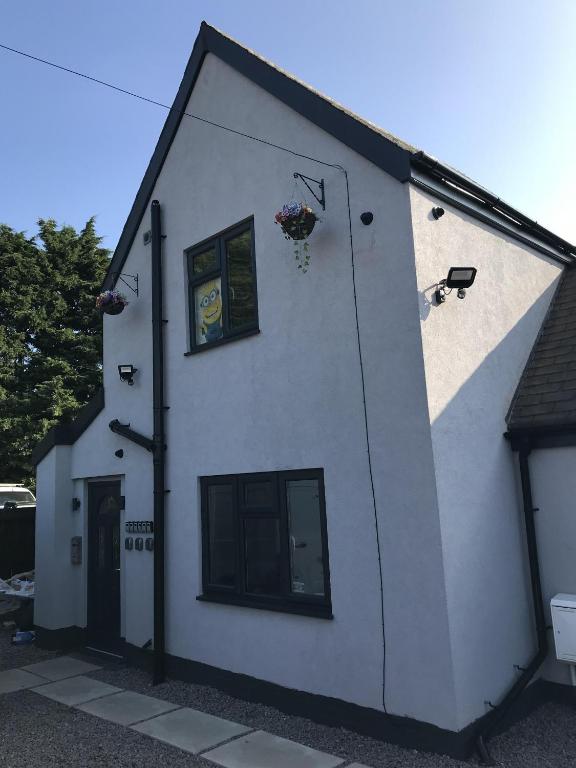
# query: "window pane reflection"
[[222, 536], [262, 548], [241, 287], [306, 568]]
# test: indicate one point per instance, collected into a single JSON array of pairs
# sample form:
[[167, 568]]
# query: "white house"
[[305, 495]]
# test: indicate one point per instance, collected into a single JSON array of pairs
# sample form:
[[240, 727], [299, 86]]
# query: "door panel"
[[104, 565]]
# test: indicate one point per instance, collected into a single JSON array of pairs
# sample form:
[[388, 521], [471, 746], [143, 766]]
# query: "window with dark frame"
[[222, 287], [264, 541]]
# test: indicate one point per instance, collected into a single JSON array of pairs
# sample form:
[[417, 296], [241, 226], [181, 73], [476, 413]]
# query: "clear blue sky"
[[488, 87]]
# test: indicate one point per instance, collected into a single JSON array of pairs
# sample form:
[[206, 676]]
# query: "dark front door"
[[104, 565]]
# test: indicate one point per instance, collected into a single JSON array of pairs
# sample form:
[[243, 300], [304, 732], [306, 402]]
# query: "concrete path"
[[223, 742]]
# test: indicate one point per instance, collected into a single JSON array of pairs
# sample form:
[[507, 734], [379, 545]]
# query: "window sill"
[[314, 611], [220, 342]]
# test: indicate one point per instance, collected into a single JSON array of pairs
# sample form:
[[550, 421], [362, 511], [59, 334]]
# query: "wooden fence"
[[17, 534]]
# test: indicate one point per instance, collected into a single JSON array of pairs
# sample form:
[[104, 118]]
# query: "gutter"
[[156, 445], [493, 720], [510, 218]]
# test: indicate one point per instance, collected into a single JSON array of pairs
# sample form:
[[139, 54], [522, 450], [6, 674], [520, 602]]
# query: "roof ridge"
[[337, 104]]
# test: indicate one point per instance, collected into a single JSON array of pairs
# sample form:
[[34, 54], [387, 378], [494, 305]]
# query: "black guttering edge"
[[504, 226], [545, 436], [513, 221], [67, 434], [361, 138], [367, 142]]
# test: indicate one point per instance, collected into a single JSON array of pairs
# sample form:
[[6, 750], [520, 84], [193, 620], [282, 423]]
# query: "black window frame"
[[289, 602], [218, 242]]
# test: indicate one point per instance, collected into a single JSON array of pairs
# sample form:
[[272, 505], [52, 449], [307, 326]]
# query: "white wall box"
[[563, 609]]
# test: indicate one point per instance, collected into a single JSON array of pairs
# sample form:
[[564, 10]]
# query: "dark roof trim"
[[67, 434], [494, 205], [504, 227], [367, 141], [529, 438], [395, 158]]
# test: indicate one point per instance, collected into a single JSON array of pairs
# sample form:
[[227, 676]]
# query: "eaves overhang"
[[546, 436], [397, 158], [384, 151], [67, 434]]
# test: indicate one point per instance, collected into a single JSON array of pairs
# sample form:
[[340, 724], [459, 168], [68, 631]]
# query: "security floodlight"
[[458, 277], [127, 373]]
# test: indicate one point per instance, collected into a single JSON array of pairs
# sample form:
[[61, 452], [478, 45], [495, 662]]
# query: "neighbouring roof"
[[546, 394], [68, 433], [399, 159]]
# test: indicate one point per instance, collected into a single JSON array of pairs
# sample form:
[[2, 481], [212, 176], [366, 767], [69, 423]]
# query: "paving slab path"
[[229, 744], [41, 732]]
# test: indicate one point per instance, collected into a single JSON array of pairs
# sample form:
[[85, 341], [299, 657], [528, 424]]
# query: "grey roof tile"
[[546, 394]]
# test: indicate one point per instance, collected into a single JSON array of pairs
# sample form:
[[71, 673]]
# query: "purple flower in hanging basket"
[[297, 220]]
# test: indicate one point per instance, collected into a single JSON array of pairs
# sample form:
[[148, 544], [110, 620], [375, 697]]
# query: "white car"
[[16, 493]]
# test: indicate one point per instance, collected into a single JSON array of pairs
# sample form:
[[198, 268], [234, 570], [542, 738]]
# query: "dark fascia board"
[[357, 135], [514, 220], [67, 434], [501, 224], [550, 436], [394, 158]]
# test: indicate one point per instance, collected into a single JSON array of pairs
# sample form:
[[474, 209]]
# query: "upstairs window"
[[222, 287], [265, 543]]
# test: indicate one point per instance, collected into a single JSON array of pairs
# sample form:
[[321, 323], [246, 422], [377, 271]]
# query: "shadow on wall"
[[486, 566], [426, 301]]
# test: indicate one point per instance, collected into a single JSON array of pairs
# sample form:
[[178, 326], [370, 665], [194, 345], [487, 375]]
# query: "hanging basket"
[[112, 309], [301, 227], [111, 302]]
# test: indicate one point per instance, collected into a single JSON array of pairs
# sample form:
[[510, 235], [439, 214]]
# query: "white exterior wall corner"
[[474, 353], [554, 492], [56, 595], [288, 398], [300, 379]]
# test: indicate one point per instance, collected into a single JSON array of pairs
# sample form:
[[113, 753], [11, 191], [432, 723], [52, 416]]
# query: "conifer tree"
[[50, 334]]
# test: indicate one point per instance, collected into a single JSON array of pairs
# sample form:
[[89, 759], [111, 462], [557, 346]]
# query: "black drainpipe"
[[158, 443], [158, 440], [495, 717]]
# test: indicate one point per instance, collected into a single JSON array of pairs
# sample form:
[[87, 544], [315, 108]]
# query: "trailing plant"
[[297, 221]]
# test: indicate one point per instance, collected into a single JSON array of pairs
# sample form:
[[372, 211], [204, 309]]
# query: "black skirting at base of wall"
[[403, 731], [65, 639]]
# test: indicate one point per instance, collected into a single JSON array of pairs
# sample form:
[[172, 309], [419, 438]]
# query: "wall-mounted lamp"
[[367, 218], [437, 212], [458, 277], [127, 373], [76, 504]]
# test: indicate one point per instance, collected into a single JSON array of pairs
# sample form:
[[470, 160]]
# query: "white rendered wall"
[[288, 398], [474, 353], [554, 494], [57, 581], [291, 398]]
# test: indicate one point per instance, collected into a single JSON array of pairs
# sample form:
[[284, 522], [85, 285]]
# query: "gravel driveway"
[[38, 733]]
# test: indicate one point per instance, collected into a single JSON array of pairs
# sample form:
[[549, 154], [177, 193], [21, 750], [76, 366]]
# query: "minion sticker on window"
[[209, 312]]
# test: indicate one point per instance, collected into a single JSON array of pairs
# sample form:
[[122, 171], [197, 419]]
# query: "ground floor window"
[[264, 541]]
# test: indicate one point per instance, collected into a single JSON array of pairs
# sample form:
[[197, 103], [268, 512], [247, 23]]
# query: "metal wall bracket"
[[121, 275], [306, 179]]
